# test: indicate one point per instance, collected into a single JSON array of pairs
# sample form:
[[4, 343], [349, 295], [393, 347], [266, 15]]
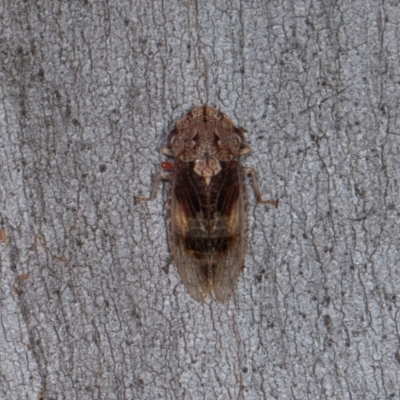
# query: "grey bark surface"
[[88, 93]]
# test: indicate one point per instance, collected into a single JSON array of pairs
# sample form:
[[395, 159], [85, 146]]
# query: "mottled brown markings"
[[207, 205]]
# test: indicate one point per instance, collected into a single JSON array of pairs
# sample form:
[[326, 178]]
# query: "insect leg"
[[161, 175], [256, 189]]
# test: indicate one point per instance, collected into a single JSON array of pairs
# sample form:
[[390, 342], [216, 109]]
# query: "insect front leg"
[[256, 189], [160, 176]]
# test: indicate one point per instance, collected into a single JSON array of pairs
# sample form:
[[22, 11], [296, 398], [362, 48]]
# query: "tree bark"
[[91, 305]]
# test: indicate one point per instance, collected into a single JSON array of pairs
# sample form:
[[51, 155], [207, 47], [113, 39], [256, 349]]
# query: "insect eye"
[[172, 137], [177, 141], [236, 139]]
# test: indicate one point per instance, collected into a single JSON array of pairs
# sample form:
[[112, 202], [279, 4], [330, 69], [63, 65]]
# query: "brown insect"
[[207, 202]]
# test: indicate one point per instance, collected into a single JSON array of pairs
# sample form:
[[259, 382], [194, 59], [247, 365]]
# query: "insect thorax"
[[207, 168]]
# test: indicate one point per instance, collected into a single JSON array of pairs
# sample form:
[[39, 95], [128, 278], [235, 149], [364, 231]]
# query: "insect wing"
[[207, 230], [184, 229], [229, 250]]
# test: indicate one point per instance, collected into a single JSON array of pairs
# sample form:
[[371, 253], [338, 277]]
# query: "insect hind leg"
[[160, 176], [256, 189]]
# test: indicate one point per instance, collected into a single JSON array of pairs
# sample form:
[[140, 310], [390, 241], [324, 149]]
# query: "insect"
[[207, 202]]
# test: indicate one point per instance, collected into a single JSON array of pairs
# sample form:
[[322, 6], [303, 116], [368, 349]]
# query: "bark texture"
[[88, 92]]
